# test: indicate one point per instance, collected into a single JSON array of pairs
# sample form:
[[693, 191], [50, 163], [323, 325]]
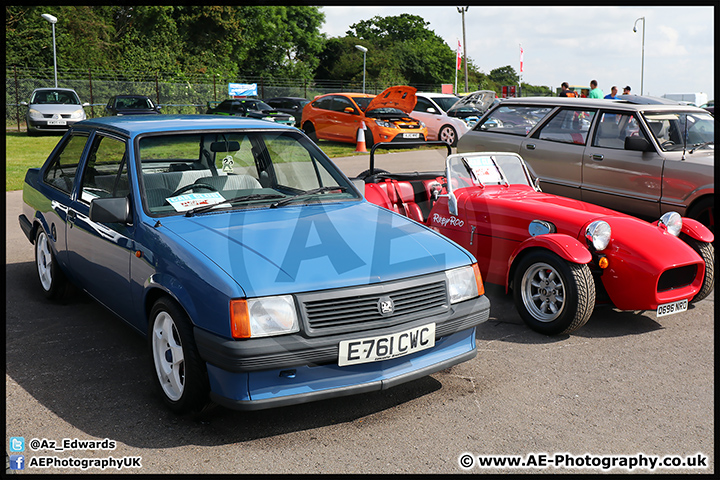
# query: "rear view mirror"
[[225, 146]]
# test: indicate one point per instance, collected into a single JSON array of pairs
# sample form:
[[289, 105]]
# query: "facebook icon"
[[17, 462]]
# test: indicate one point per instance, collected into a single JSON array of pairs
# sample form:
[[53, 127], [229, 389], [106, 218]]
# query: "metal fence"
[[189, 94]]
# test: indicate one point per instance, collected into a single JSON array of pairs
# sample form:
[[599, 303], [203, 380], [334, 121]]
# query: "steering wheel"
[[667, 144], [191, 187]]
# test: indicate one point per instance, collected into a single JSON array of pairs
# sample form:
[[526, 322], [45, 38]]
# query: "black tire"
[[369, 141], [553, 296], [182, 382], [53, 281], [448, 134], [309, 130], [707, 253], [704, 212]]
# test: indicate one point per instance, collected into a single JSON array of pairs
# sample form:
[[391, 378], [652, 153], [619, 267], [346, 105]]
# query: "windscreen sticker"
[[183, 203], [484, 169]]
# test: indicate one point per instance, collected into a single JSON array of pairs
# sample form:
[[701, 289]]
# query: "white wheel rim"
[[44, 261], [168, 356], [543, 292], [447, 135]]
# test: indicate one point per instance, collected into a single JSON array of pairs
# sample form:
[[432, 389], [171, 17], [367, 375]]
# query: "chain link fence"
[[189, 94]]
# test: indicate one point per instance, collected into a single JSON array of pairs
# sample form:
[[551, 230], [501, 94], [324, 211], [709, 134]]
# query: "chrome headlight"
[[672, 221], [597, 234], [421, 123], [78, 114], [34, 113], [263, 317], [464, 283]]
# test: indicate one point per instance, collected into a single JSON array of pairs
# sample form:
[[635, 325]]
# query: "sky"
[[573, 44]]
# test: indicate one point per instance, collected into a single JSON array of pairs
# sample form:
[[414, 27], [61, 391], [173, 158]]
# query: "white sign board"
[[242, 89]]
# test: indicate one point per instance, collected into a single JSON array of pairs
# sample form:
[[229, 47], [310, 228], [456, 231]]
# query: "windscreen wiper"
[[702, 145], [314, 191], [242, 198]]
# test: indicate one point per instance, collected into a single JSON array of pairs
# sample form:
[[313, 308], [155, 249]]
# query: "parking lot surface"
[[626, 383]]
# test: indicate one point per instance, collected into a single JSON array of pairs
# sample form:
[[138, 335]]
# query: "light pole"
[[364, 50], [53, 21], [462, 10], [642, 60]]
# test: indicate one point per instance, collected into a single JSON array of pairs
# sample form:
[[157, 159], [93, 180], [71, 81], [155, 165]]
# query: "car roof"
[[52, 89], [431, 94], [133, 125], [596, 103], [286, 98], [131, 96]]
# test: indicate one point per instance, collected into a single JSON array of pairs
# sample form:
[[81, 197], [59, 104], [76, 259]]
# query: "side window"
[[61, 172], [341, 103], [422, 105], [324, 103], [106, 171], [568, 126], [613, 128], [513, 119]]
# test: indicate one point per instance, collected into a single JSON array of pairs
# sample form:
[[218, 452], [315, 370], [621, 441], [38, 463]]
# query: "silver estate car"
[[53, 110], [641, 159]]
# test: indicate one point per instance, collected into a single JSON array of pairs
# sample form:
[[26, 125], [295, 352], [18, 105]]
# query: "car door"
[[345, 123], [432, 118], [555, 150], [624, 180], [99, 254]]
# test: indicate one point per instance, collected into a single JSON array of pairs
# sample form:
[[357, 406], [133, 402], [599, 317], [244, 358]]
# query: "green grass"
[[23, 152]]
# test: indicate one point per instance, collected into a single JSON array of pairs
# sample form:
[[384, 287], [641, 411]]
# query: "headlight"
[[422, 124], [672, 221], [269, 118], [598, 234], [464, 283], [34, 113], [385, 124], [78, 114], [263, 317]]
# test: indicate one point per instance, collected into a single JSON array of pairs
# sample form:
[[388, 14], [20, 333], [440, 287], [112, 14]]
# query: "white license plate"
[[57, 122], [385, 347], [670, 308], [411, 135]]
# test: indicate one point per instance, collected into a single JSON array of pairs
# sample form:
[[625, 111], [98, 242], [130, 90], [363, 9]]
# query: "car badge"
[[386, 306]]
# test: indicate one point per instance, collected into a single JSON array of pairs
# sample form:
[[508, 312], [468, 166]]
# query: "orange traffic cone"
[[361, 139]]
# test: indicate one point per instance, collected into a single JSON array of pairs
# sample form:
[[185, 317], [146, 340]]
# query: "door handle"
[[597, 156], [71, 216], [530, 146]]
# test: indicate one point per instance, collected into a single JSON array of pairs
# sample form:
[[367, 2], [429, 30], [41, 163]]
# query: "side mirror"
[[349, 110], [431, 110], [639, 144], [24, 103], [452, 204], [86, 104], [111, 210]]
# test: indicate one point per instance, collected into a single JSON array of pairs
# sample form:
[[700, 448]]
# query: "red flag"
[[521, 59], [459, 58]]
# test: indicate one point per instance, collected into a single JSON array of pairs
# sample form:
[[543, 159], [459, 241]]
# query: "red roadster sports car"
[[558, 256]]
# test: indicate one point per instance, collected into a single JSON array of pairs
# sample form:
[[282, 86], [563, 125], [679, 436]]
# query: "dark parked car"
[[53, 110], [131, 105], [644, 159], [252, 108], [290, 105], [255, 269]]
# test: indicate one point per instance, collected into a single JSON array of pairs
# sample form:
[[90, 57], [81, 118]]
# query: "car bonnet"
[[315, 247], [401, 97], [481, 100]]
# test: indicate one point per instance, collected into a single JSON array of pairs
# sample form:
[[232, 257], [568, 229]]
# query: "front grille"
[[409, 126], [677, 278], [356, 309]]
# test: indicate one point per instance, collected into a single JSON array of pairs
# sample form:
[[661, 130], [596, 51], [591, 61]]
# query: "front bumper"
[[285, 370]]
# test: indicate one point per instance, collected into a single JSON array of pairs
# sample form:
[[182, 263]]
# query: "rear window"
[[513, 119]]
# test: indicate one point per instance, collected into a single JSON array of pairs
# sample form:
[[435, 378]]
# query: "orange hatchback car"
[[339, 116]]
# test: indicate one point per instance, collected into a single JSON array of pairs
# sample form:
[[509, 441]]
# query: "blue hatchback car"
[[258, 272]]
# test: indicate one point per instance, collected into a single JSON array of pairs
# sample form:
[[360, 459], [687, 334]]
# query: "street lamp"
[[364, 50], [462, 10], [642, 64], [53, 21]]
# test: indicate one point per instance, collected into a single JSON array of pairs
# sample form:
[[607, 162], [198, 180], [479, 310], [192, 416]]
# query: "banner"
[[459, 58], [242, 89], [521, 59]]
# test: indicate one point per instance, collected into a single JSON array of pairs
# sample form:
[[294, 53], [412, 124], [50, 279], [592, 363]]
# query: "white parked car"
[[53, 110], [431, 109]]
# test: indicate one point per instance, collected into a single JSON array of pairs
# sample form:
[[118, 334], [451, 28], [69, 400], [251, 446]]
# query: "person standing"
[[595, 92], [626, 90], [613, 93], [565, 90]]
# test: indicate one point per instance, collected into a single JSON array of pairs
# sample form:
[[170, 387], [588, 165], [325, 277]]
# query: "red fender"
[[565, 246], [696, 230]]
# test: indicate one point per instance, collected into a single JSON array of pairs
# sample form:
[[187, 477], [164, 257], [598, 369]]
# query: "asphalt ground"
[[627, 386]]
